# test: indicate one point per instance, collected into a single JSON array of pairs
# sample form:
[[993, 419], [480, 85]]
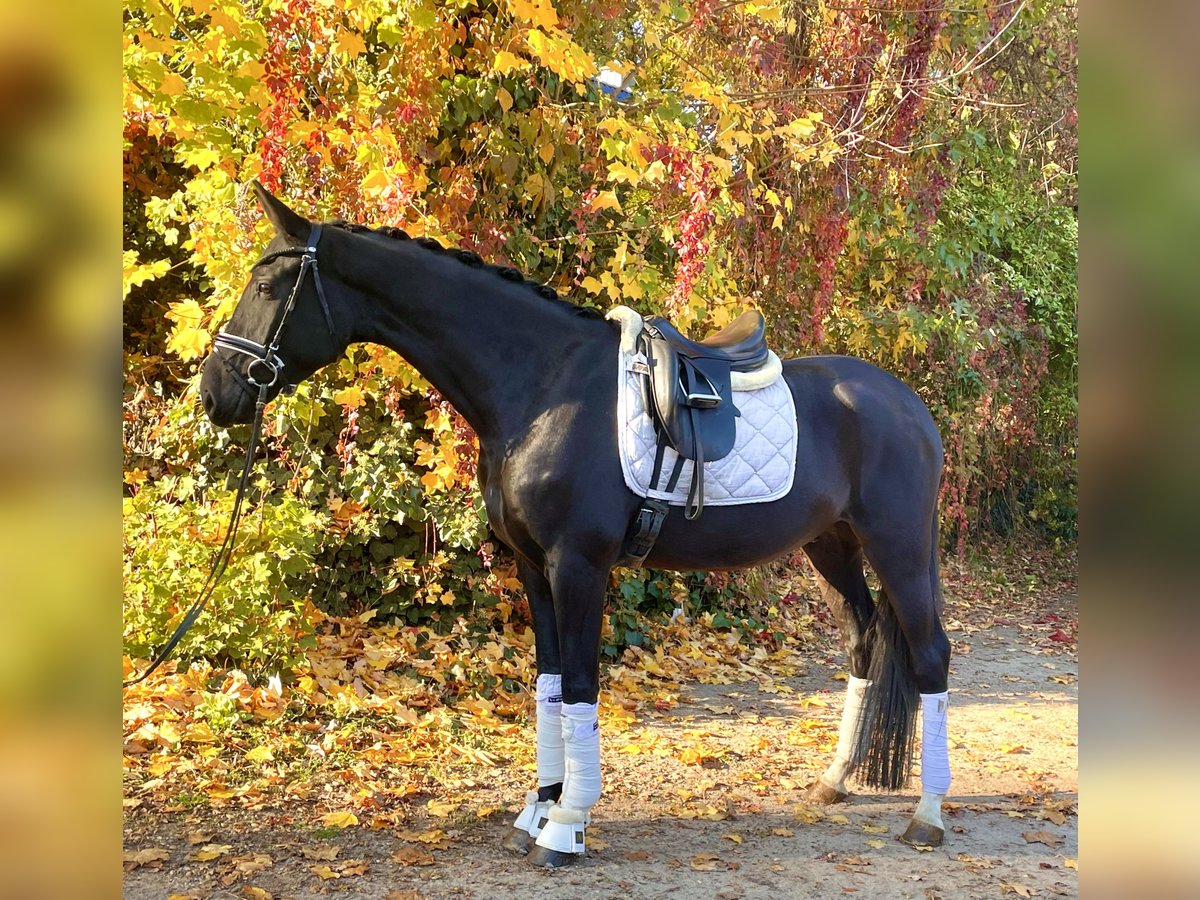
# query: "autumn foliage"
[[893, 180]]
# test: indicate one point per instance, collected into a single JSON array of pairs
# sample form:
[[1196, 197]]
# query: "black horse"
[[536, 377]]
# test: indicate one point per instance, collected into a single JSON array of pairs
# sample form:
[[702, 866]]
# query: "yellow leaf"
[[546, 153], [505, 62], [591, 285], [606, 200], [172, 85], [504, 98], [875, 829], [339, 819], [539, 12], [351, 396], [736, 838], [324, 872], [188, 343], [351, 44], [442, 808], [134, 273], [876, 843], [211, 851], [260, 754]]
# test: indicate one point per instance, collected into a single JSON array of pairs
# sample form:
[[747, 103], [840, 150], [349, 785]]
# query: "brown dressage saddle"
[[687, 390]]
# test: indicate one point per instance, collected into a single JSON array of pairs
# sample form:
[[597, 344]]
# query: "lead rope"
[[223, 555]]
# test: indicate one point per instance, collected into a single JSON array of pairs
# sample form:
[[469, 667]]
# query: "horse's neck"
[[489, 346]]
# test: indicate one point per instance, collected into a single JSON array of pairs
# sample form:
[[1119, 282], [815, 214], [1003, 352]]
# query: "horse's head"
[[282, 328]]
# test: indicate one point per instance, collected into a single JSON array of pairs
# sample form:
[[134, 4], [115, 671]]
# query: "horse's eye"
[[263, 287]]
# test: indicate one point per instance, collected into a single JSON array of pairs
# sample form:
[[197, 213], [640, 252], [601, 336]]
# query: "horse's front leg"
[[578, 587], [550, 754]]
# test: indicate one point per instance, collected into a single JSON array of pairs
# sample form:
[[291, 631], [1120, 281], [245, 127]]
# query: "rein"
[[265, 356]]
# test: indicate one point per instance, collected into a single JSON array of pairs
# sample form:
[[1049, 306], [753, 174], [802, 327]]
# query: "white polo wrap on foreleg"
[[935, 749], [566, 822], [856, 692], [551, 766], [581, 737]]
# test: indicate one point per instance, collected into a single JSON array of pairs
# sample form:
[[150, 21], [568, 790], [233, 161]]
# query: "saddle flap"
[[691, 401]]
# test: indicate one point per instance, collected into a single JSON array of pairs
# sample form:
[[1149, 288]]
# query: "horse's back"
[[848, 389]]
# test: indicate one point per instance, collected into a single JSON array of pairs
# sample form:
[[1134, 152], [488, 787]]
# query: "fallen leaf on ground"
[[1049, 838], [146, 857], [252, 863], [434, 838], [339, 819], [809, 814], [324, 852], [211, 851], [413, 856], [1019, 889]]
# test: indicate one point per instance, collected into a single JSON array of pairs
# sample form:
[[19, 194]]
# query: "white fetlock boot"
[[564, 830]]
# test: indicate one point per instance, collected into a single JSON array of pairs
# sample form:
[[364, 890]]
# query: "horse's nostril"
[[208, 402]]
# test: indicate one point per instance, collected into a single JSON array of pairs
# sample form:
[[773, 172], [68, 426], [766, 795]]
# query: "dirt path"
[[724, 821]]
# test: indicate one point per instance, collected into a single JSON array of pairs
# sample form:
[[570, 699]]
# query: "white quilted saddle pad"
[[758, 470]]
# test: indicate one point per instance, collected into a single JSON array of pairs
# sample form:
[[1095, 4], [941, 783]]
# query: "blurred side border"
[[60, 301], [1140, 435]]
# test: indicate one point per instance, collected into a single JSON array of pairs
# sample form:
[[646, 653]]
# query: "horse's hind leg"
[[917, 661], [837, 557]]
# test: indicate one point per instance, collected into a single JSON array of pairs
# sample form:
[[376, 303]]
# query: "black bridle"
[[264, 357], [267, 355]]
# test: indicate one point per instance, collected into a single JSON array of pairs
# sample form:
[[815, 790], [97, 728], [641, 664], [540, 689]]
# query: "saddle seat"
[[742, 343], [688, 390]]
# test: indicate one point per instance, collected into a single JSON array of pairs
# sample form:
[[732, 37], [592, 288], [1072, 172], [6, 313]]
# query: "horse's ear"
[[286, 221]]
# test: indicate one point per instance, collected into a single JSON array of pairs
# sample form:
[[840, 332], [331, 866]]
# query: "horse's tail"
[[888, 726]]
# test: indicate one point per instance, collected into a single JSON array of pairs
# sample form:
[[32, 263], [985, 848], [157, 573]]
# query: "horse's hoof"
[[549, 859], [922, 834], [820, 792], [517, 841]]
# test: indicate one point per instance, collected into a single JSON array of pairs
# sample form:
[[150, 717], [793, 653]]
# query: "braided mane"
[[473, 260]]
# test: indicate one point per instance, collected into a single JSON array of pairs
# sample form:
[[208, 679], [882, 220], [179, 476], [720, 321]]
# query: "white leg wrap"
[[935, 752], [564, 831], [581, 737], [550, 758], [835, 775]]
